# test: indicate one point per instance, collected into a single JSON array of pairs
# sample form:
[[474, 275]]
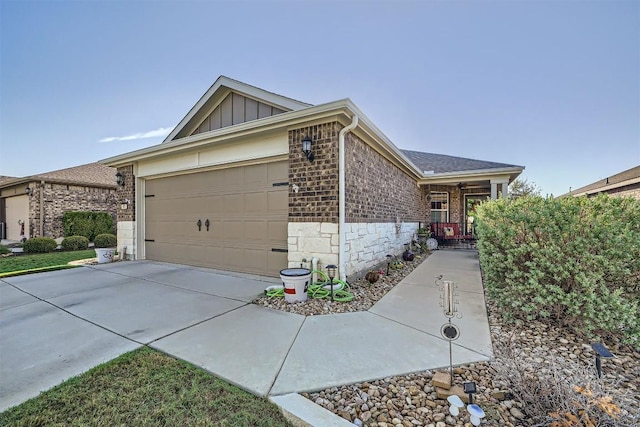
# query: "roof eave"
[[477, 174]]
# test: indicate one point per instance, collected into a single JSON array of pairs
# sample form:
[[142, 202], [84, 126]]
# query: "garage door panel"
[[256, 175], [277, 172], [256, 203], [278, 202], [234, 203], [247, 214], [275, 229], [255, 230]]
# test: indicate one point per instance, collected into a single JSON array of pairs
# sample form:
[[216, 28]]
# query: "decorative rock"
[[442, 380], [516, 413]]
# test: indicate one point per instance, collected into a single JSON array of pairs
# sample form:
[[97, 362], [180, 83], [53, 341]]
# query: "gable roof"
[[628, 177], [92, 174], [441, 163], [218, 92]]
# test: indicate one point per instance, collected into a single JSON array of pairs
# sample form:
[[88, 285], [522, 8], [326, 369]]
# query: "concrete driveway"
[[56, 325]]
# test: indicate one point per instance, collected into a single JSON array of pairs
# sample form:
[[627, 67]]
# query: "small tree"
[[520, 187]]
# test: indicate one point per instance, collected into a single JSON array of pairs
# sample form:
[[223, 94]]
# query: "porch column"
[[503, 183], [505, 190]]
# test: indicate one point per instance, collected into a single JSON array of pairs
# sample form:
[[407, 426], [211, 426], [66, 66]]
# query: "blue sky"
[[551, 85]]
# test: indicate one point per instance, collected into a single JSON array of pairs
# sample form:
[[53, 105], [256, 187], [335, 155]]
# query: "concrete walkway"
[[57, 325]]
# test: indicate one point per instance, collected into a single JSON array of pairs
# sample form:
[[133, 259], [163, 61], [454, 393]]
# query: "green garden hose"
[[318, 290]]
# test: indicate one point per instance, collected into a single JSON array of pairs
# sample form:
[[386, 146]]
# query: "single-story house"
[[252, 181], [33, 206], [623, 184]]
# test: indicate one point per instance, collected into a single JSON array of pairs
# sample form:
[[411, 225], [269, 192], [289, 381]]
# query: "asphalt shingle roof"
[[441, 163], [90, 174]]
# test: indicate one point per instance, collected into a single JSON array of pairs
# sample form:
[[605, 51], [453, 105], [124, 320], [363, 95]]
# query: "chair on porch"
[[448, 231]]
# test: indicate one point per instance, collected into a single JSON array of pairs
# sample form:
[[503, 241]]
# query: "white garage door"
[[17, 209]]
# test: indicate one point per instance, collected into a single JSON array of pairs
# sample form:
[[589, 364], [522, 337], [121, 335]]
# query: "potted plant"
[[422, 232], [105, 247]]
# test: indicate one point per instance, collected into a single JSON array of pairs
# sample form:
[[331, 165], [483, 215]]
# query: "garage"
[[231, 219], [17, 213]]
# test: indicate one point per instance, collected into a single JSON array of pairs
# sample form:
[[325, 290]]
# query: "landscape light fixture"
[[331, 272], [388, 263], [601, 351], [470, 388], [120, 179], [306, 148]]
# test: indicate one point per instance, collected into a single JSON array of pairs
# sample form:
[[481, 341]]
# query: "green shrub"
[[4, 250], [572, 260], [40, 245], [105, 241], [75, 243], [87, 224]]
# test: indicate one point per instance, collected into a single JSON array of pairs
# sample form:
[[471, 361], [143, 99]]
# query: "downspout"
[[42, 208], [341, 198]]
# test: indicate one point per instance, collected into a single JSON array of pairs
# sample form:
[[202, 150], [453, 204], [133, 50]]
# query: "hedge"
[[75, 243], [87, 224], [575, 261], [39, 245], [105, 240]]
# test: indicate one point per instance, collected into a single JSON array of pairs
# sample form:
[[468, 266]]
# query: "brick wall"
[[316, 199], [128, 192], [377, 191], [61, 198]]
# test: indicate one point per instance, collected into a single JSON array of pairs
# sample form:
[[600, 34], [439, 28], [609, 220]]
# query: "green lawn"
[[145, 388], [28, 262]]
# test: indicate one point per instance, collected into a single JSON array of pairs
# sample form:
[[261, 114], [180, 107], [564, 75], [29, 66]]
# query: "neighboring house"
[[231, 188], [623, 184], [33, 206]]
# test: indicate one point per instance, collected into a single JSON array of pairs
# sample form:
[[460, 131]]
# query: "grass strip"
[[145, 387], [29, 262]]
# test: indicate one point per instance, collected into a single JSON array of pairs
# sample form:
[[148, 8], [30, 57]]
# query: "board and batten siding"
[[235, 109]]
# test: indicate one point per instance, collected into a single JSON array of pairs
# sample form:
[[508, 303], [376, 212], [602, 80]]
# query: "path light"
[[601, 351], [331, 272], [455, 404], [476, 414], [470, 388], [306, 148], [389, 257]]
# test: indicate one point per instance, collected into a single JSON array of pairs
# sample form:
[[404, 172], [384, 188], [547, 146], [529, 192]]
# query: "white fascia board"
[[280, 121], [479, 174], [235, 85]]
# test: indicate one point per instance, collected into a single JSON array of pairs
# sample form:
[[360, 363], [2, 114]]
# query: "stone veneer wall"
[[61, 198], [126, 217], [368, 244], [313, 239]]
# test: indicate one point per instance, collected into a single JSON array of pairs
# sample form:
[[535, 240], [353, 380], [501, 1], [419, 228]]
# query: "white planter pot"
[[105, 255]]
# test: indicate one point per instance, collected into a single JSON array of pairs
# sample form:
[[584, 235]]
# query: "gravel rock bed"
[[411, 400], [365, 294]]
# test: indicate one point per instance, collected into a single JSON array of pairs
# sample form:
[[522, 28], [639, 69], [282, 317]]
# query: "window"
[[439, 207]]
